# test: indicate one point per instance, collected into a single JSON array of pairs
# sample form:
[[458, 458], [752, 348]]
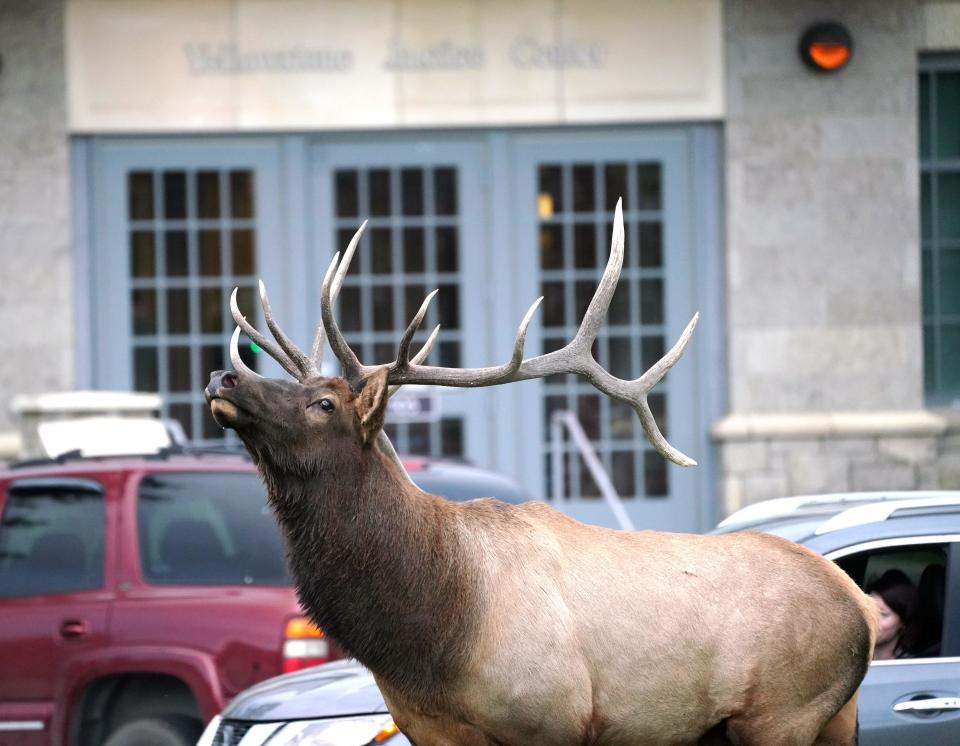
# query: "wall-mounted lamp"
[[826, 47]]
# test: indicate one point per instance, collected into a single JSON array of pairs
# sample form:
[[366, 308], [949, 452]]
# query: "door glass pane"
[[550, 196], [583, 188], [142, 255], [411, 185], [448, 249], [210, 265], [174, 195], [140, 189], [346, 190], [175, 251], [208, 194], [614, 184], [648, 186], [379, 180], [445, 191], [241, 194]]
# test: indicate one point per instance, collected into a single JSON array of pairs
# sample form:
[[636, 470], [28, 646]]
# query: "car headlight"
[[355, 731]]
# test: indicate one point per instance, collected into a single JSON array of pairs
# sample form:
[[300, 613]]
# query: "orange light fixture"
[[826, 47]]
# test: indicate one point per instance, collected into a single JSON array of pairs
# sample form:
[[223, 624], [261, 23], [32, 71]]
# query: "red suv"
[[137, 596]]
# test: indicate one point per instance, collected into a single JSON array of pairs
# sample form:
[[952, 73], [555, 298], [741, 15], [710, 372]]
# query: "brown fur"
[[489, 624]]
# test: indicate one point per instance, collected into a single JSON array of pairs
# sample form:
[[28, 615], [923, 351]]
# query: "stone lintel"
[[829, 425]]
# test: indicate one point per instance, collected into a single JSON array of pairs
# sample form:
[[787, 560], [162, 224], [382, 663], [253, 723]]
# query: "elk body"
[[488, 624]]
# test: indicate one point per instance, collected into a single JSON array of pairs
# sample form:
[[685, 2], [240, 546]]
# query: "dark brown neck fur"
[[379, 566]]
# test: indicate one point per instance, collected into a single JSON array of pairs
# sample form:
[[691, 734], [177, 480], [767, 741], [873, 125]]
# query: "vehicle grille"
[[231, 732]]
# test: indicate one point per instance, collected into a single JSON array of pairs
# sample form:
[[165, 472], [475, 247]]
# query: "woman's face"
[[890, 622]]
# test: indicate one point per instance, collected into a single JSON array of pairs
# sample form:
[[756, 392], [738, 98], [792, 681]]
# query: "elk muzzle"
[[217, 393]]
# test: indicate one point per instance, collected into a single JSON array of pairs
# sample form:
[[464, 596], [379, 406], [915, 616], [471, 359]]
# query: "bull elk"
[[486, 623]]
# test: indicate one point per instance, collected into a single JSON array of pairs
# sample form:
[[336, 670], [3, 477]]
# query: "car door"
[[913, 700], [53, 596]]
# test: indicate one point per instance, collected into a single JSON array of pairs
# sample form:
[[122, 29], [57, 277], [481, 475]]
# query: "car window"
[[924, 567], [208, 529], [51, 538]]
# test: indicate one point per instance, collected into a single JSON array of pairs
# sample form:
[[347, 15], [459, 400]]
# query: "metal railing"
[[564, 419]]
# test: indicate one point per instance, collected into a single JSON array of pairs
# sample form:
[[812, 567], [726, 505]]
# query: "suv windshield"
[[208, 529]]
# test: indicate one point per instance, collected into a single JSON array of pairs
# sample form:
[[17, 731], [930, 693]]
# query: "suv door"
[[53, 596], [915, 699]]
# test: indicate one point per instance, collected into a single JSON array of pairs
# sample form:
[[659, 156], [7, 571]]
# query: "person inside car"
[[896, 598]]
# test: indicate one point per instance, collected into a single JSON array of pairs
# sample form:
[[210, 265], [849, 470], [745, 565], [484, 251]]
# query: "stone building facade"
[[790, 207], [823, 255]]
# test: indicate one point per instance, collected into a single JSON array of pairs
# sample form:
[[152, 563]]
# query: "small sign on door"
[[414, 404]]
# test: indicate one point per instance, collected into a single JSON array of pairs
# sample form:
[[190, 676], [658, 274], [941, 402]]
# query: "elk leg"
[[842, 728], [773, 731]]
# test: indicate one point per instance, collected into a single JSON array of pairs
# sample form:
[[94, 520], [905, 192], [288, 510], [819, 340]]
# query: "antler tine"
[[235, 355], [353, 369], [521, 337], [600, 303], [403, 352], [303, 363], [320, 338], [275, 352], [420, 356]]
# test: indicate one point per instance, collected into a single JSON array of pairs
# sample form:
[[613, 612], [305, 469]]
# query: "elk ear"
[[371, 405]]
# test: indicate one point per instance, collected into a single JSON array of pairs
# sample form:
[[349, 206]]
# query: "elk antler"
[[295, 362], [575, 357]]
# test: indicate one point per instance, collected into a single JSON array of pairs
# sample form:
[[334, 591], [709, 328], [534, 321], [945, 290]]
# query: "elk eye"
[[326, 405]]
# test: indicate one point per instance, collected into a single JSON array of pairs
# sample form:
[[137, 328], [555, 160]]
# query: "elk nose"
[[220, 379]]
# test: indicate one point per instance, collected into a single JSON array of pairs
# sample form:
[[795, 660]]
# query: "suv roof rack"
[[785, 507], [882, 511], [162, 454]]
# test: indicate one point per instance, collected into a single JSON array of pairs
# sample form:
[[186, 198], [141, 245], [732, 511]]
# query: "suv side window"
[[51, 538], [925, 566], [202, 528]]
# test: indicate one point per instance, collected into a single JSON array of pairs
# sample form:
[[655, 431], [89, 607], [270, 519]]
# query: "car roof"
[[830, 520], [454, 480], [73, 465]]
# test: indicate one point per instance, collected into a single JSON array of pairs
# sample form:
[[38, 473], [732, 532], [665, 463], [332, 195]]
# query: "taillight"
[[304, 645]]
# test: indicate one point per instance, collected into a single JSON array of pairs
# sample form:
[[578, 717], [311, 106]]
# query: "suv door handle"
[[73, 629], [928, 705]]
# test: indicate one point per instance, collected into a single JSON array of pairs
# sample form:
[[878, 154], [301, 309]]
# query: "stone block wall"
[[769, 456], [36, 298], [822, 205]]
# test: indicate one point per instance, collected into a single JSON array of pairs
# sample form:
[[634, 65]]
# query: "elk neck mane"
[[379, 564]]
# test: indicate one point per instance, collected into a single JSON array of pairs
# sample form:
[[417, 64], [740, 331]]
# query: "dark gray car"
[[913, 700]]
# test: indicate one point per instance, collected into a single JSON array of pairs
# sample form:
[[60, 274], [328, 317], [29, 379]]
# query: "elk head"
[[316, 411]]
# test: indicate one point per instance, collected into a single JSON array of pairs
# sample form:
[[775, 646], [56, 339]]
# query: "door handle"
[[928, 705], [73, 629]]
